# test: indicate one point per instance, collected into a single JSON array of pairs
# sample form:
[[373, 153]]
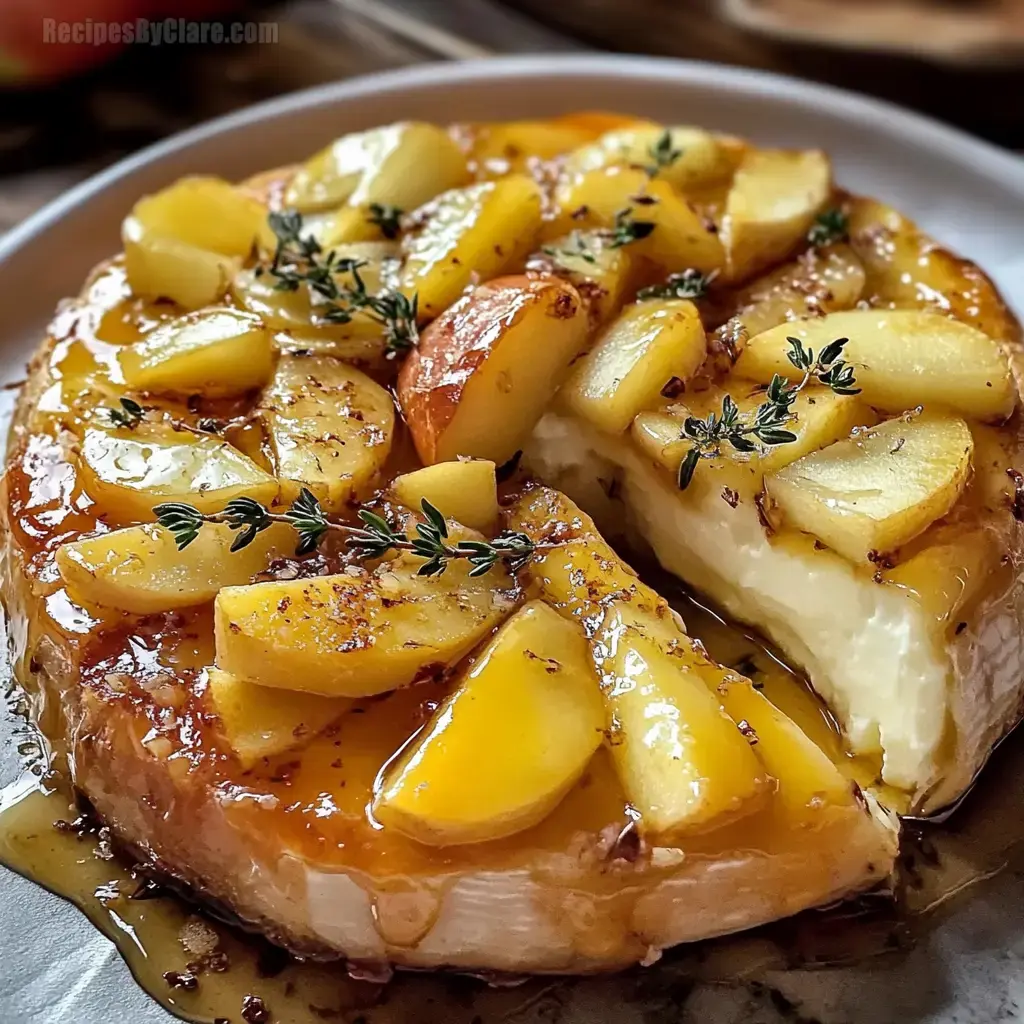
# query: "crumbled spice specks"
[[1017, 503], [184, 980], [674, 388], [747, 730], [254, 1010]]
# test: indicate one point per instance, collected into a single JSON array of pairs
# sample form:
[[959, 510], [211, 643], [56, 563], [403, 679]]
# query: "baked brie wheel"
[[286, 571]]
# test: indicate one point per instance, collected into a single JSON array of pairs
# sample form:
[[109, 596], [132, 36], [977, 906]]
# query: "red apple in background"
[[27, 55]]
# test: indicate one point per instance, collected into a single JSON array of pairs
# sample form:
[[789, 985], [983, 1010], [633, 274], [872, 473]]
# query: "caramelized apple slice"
[[140, 569], [867, 496], [686, 158], [473, 233], [185, 242], [902, 358], [260, 722], [402, 165], [996, 455], [160, 267], [773, 201], [905, 268], [209, 213], [218, 351], [603, 274], [647, 346], [805, 777], [129, 473], [679, 240], [580, 573], [507, 745], [485, 371], [821, 280], [466, 491], [330, 428], [359, 633], [950, 570], [510, 147], [684, 764], [301, 315]]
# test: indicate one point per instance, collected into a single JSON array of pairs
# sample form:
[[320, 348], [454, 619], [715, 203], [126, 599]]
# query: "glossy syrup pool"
[[203, 969]]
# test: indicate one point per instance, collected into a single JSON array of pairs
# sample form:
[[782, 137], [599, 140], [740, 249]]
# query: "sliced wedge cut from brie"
[[925, 696]]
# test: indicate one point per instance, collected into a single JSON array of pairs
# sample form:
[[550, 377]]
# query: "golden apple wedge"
[[485, 370], [469, 234], [650, 344], [185, 242], [260, 722], [867, 496], [683, 762], [902, 358], [361, 632], [505, 747], [692, 158], [330, 428], [403, 164], [218, 351], [133, 471], [465, 490], [140, 568], [774, 199]]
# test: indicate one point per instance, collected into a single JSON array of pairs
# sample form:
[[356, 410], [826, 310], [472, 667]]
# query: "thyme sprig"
[[431, 542], [830, 226], [300, 261], [129, 415], [387, 217], [767, 423], [374, 539], [688, 284]]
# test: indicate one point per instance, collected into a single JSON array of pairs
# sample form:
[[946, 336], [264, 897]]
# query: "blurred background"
[[73, 99]]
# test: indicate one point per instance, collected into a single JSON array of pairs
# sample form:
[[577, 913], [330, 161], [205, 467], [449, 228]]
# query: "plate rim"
[[911, 128]]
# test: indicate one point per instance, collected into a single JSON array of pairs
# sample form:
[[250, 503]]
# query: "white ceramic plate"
[[55, 969]]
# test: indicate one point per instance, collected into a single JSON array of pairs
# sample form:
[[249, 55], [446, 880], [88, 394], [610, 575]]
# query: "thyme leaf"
[[627, 229], [375, 538], [688, 284], [767, 424], [307, 518], [662, 153], [830, 226], [387, 217], [576, 246], [128, 415]]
